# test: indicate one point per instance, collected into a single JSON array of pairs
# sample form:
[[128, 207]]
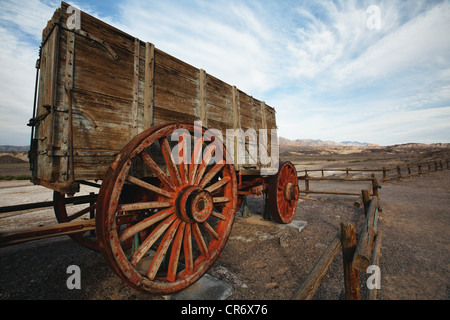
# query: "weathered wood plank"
[[121, 86]]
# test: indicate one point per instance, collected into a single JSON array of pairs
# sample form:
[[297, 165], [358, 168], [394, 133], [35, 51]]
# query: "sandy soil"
[[260, 261]]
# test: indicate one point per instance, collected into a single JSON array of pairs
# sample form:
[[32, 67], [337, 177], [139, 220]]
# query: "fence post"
[[363, 256], [351, 275], [399, 173], [384, 173], [365, 200], [372, 293], [306, 184], [409, 170], [419, 169]]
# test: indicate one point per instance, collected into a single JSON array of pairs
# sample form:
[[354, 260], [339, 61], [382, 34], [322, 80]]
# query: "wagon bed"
[[99, 87]]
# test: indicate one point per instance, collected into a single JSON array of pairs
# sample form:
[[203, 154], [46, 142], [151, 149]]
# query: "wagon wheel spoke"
[[206, 158], [200, 240], [211, 174], [175, 254], [151, 187], [168, 157], [195, 160], [162, 249], [146, 223], [210, 230], [143, 206], [219, 215], [183, 158], [219, 184], [151, 239], [157, 170], [187, 248], [221, 199]]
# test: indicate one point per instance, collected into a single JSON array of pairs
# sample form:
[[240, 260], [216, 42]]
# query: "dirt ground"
[[260, 262]]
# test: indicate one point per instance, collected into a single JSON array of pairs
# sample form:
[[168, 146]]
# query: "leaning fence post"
[[314, 278], [351, 275], [372, 293], [365, 200], [363, 253]]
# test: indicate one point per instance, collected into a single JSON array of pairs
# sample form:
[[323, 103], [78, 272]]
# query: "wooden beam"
[[149, 91], [363, 253], [312, 282], [19, 236], [203, 111], [372, 293], [351, 275], [135, 93]]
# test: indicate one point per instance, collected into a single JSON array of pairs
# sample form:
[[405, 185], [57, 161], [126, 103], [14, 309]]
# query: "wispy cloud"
[[316, 62]]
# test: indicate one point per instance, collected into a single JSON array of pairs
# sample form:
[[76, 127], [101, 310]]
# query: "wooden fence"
[[357, 255], [399, 171], [407, 171]]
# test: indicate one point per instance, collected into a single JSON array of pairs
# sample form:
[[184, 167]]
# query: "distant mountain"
[[321, 143], [8, 148], [357, 144]]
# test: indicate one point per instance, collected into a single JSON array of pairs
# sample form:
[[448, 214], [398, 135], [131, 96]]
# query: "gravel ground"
[[260, 261]]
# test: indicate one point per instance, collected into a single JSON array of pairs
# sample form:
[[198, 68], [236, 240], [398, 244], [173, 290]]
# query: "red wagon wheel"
[[183, 231], [283, 193], [86, 239]]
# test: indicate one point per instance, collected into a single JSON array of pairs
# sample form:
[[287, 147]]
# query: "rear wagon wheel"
[[283, 193]]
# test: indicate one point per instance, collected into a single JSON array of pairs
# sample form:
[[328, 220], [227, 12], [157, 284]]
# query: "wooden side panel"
[[119, 87], [105, 97], [219, 104], [176, 91], [48, 74]]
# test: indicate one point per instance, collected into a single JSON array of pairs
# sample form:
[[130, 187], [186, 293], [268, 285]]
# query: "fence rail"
[[399, 174], [422, 168]]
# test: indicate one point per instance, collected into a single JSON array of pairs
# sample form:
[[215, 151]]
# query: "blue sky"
[[317, 63]]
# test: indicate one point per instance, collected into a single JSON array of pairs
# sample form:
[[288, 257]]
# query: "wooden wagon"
[[147, 129]]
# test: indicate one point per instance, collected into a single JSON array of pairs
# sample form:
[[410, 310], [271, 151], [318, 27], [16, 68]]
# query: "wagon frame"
[[110, 107]]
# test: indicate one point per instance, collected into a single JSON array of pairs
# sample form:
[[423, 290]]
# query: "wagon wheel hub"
[[194, 204], [291, 191]]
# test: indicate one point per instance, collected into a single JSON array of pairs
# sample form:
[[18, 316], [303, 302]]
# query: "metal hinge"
[[35, 121]]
